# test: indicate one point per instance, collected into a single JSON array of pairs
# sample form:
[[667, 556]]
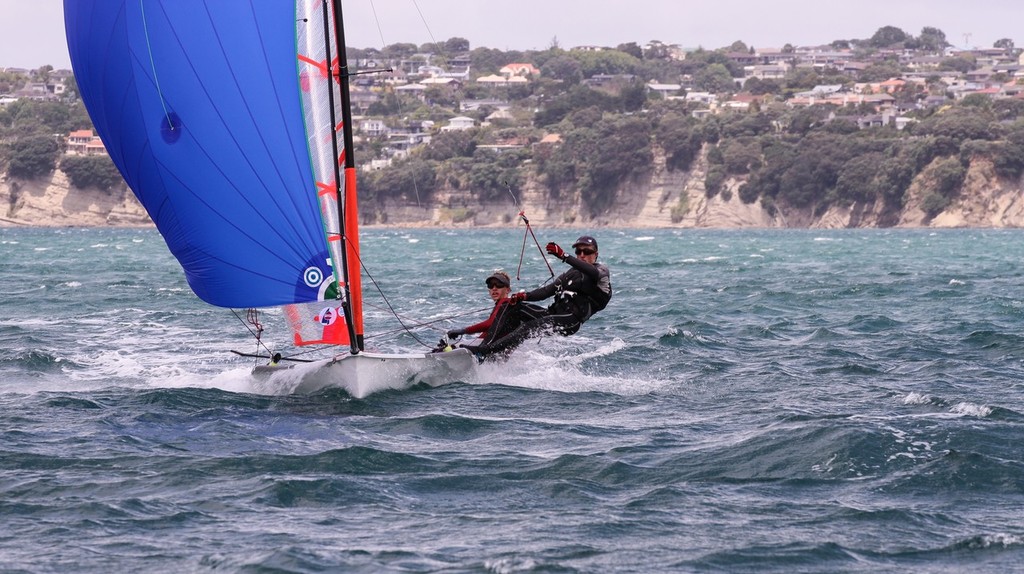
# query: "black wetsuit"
[[579, 293]]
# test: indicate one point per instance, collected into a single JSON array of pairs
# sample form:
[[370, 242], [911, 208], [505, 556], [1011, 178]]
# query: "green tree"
[[446, 145], [586, 117], [962, 64], [632, 48], [399, 51], [456, 45], [621, 149], [680, 139], [91, 171], [42, 74], [880, 72], [713, 181], [758, 86], [887, 36], [737, 47], [486, 61], [563, 68], [33, 157], [932, 39], [578, 97], [632, 97], [715, 79], [413, 179], [946, 176], [741, 155], [960, 123], [609, 62], [857, 180], [493, 173]]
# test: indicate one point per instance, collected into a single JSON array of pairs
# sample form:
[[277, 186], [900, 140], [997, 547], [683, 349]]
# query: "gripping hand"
[[555, 250]]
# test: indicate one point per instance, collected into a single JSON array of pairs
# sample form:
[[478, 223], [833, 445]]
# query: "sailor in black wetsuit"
[[579, 293]]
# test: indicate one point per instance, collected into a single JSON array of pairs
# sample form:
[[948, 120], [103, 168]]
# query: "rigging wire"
[[398, 100], [529, 231], [251, 322], [387, 302], [430, 33]]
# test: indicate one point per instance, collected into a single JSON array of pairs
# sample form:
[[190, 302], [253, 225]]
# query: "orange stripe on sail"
[[327, 189], [319, 64]]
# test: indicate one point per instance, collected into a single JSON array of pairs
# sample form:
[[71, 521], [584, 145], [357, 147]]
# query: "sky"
[[32, 31]]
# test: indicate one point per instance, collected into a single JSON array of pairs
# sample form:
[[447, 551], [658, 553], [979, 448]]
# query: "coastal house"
[[501, 81], [473, 105], [499, 116], [503, 145], [766, 71], [374, 128], [523, 70], [549, 140], [663, 90], [854, 69], [743, 59], [492, 80], [416, 90], [820, 91], [444, 82], [745, 101], [889, 86], [702, 97], [459, 123], [35, 91], [609, 83], [84, 142], [363, 98]]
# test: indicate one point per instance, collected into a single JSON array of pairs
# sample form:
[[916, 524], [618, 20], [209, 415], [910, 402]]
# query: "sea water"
[[750, 401]]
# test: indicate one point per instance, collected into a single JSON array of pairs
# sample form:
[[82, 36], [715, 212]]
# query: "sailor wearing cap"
[[498, 285], [578, 293]]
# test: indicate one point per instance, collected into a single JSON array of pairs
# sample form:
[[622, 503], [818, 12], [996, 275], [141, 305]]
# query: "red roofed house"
[[519, 69]]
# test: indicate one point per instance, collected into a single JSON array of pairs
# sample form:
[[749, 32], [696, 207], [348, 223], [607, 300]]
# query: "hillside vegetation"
[[589, 135]]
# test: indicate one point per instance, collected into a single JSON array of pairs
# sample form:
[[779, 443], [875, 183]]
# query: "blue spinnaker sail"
[[198, 104]]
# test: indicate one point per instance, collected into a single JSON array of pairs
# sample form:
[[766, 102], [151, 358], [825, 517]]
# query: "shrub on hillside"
[[91, 171], [32, 157]]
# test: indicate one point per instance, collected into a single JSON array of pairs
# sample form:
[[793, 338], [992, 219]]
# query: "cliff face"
[[657, 199], [52, 202], [677, 199]]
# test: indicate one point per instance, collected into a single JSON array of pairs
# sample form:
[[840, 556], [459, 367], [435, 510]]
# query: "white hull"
[[366, 373]]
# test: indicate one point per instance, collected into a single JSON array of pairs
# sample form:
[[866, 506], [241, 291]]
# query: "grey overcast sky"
[[32, 31]]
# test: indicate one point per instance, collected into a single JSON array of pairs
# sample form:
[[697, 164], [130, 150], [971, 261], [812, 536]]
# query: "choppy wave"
[[761, 401]]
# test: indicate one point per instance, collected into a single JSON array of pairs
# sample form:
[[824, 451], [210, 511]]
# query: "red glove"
[[555, 250], [517, 297]]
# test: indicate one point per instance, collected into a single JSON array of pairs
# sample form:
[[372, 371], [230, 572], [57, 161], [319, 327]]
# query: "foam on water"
[[768, 403]]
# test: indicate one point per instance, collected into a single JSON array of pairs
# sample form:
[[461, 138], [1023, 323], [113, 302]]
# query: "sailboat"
[[230, 120]]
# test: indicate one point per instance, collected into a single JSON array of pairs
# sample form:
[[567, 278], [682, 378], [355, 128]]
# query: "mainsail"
[[218, 113]]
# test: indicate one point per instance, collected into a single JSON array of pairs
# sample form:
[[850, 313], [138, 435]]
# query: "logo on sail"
[[328, 315], [313, 276]]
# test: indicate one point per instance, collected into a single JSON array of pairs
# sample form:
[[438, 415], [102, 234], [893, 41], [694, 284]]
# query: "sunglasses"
[[495, 286], [585, 252]]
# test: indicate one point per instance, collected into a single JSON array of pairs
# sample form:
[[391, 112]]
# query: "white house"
[[459, 123]]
